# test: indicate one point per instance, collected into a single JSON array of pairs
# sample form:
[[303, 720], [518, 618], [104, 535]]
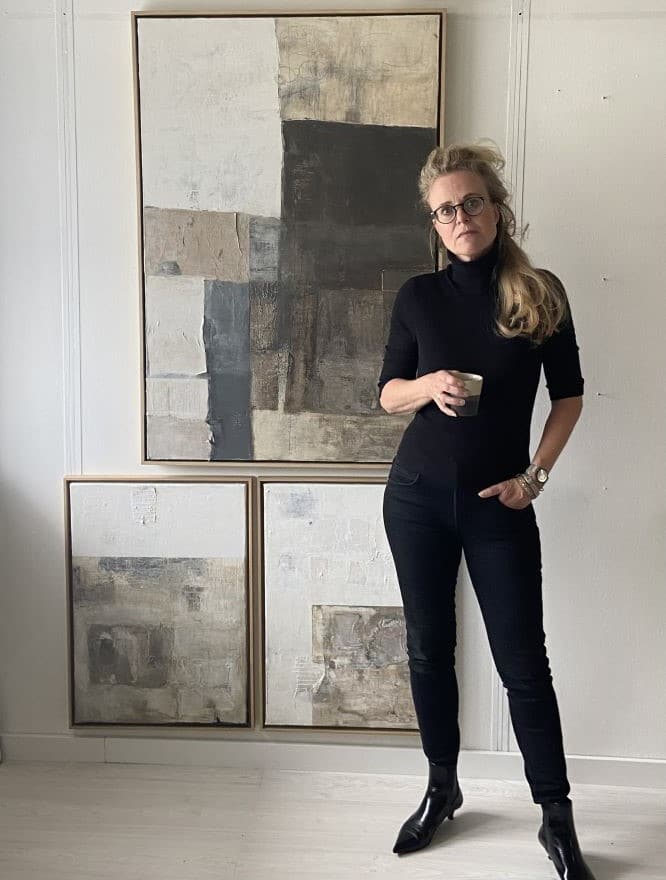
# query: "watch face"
[[542, 475]]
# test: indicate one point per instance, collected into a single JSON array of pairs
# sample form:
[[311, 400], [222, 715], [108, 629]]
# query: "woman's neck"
[[473, 275]]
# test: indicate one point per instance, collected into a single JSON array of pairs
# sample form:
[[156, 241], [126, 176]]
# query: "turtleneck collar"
[[472, 276]]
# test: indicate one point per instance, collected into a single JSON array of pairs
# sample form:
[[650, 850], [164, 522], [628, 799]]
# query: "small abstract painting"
[[279, 158], [334, 629], [159, 602]]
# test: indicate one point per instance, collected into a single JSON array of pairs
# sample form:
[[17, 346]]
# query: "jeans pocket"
[[400, 476]]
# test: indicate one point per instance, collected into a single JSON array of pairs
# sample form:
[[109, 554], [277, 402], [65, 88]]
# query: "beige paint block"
[[208, 244], [318, 437], [367, 675], [170, 438], [174, 326], [182, 398], [379, 70]]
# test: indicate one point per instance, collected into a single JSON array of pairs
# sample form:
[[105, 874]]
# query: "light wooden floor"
[[127, 821]]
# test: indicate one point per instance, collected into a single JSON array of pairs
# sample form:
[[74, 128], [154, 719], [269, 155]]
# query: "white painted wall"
[[579, 110]]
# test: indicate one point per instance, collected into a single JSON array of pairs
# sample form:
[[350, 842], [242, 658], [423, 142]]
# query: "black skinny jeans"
[[428, 527]]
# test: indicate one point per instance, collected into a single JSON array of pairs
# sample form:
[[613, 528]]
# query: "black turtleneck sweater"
[[444, 321]]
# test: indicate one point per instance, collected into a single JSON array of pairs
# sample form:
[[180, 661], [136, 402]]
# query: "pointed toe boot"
[[558, 837], [443, 796]]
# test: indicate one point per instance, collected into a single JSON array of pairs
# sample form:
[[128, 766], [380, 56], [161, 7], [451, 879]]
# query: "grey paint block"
[[389, 302], [159, 641], [264, 240], [353, 175], [393, 279], [340, 338], [264, 305], [265, 390], [129, 654], [227, 343], [315, 254]]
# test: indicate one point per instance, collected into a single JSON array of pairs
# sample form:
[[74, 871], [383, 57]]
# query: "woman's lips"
[[469, 232]]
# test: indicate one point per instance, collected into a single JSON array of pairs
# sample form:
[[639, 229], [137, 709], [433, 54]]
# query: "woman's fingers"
[[513, 495], [448, 391], [445, 409], [509, 492], [444, 401], [455, 388], [450, 384]]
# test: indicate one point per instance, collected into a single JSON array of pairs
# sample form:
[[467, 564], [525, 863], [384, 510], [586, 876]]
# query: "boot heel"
[[456, 806]]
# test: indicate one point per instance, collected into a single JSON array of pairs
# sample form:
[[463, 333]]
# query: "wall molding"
[[514, 152], [516, 113], [69, 235], [316, 757]]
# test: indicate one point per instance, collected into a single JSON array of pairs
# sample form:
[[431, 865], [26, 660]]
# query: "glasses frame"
[[433, 214]]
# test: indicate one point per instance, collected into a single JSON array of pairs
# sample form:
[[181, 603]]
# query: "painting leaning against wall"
[[334, 634], [159, 602], [278, 163]]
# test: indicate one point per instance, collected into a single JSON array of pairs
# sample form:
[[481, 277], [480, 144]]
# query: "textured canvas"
[[335, 653], [279, 164], [158, 595]]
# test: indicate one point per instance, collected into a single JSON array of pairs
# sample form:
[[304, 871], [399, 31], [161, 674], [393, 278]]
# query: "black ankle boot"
[[558, 837], [442, 797]]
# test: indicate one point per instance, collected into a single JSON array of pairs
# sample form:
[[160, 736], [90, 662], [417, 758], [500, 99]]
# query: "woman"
[[468, 484]]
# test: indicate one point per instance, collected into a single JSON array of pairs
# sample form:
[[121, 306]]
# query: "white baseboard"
[[349, 758], [51, 747]]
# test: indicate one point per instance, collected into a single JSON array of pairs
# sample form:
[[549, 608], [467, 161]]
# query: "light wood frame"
[[240, 13], [249, 496], [261, 605]]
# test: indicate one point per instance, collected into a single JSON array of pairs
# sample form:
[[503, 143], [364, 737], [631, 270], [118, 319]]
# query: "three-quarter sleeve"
[[561, 361], [401, 350]]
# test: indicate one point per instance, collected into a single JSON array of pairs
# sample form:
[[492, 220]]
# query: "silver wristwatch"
[[538, 475]]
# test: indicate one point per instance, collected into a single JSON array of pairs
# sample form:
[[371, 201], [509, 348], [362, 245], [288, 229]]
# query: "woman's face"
[[467, 237]]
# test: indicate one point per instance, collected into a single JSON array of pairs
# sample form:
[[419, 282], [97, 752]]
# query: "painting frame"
[[248, 571], [261, 619], [136, 17]]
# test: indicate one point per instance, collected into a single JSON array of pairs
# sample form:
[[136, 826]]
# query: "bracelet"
[[526, 486], [537, 487]]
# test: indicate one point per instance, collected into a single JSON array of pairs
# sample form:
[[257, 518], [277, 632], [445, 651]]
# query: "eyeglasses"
[[446, 213]]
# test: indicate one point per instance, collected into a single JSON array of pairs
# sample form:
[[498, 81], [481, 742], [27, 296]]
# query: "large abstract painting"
[[334, 632], [278, 166], [159, 602]]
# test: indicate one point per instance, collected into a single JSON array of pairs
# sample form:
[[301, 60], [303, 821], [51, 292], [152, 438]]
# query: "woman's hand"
[[510, 492], [445, 389]]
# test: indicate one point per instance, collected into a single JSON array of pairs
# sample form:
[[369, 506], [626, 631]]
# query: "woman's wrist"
[[405, 395]]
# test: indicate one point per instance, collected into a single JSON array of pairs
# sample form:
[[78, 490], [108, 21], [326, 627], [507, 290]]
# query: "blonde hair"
[[531, 302]]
